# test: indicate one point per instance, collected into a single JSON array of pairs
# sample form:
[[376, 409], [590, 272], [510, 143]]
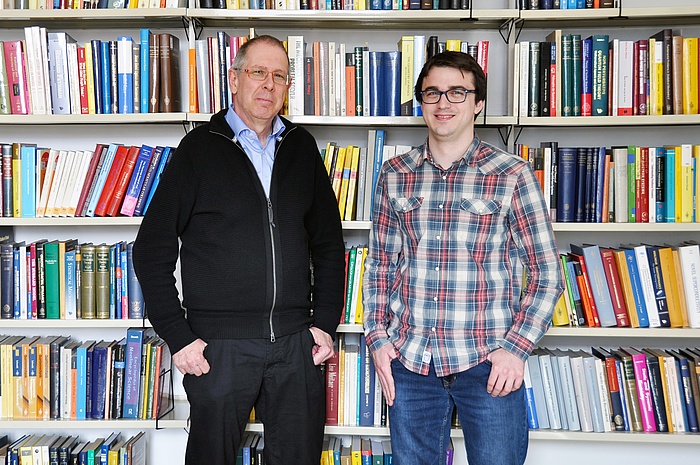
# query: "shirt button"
[[437, 237], [444, 178], [437, 268], [432, 329], [435, 299], [440, 206]]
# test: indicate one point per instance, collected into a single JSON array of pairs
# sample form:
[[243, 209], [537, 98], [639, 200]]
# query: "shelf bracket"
[[518, 26], [505, 132], [471, 13], [197, 27], [506, 29], [518, 131], [619, 12]]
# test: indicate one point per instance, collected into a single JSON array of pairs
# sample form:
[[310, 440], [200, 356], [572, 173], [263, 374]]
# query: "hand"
[[323, 345], [382, 358], [190, 359], [507, 373]]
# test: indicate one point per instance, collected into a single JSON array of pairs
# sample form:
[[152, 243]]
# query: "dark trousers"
[[278, 378]]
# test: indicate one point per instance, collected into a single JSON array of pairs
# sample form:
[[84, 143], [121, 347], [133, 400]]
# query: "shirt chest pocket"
[[480, 207], [480, 220], [408, 211]]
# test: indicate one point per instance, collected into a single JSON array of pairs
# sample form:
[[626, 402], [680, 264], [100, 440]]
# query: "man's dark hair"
[[240, 60], [457, 60]]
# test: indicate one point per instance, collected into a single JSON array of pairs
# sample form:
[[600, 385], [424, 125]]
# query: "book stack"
[[634, 285], [111, 180], [621, 184], [604, 390], [58, 377], [95, 77], [64, 279], [572, 75]]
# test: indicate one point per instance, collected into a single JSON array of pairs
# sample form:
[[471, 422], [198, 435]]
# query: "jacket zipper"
[[271, 225]]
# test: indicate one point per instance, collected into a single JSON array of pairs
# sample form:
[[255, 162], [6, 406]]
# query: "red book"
[[123, 181], [615, 286], [482, 54], [332, 386], [111, 182], [82, 81], [643, 77], [89, 176], [16, 77], [589, 308]]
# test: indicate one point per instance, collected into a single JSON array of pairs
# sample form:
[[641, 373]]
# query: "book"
[[132, 369], [630, 387], [598, 282]]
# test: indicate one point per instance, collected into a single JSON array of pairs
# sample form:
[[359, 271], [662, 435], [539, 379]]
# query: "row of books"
[[91, 4], [64, 279], [637, 285], [334, 4], [56, 377], [51, 73], [353, 393], [115, 449], [364, 450], [567, 75], [622, 184], [564, 4], [625, 389], [111, 180]]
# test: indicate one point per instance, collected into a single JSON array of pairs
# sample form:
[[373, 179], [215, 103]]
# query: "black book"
[[55, 375], [40, 280], [432, 46], [65, 448], [117, 381], [545, 64], [309, 108], [657, 393]]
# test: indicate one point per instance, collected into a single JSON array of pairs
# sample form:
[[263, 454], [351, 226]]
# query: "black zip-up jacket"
[[244, 258]]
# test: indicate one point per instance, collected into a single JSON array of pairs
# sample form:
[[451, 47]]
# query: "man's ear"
[[232, 80]]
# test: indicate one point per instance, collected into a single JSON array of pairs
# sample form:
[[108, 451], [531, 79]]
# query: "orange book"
[[350, 89], [589, 307], [316, 53], [192, 81], [111, 181], [671, 286], [626, 284], [123, 181]]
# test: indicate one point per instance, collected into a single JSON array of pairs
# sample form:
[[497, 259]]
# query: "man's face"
[[448, 121], [257, 102]]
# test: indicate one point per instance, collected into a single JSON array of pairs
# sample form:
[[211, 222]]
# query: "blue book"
[[377, 99], [106, 70], [586, 76], [132, 370], [581, 169], [670, 184], [98, 383], [392, 83], [164, 159], [70, 278], [111, 440], [96, 47], [366, 392], [125, 74], [81, 365], [145, 69], [530, 401], [687, 391], [17, 300], [566, 185], [125, 279], [148, 179], [28, 180], [131, 195], [642, 315], [101, 179], [623, 395], [599, 184], [136, 303], [378, 161]]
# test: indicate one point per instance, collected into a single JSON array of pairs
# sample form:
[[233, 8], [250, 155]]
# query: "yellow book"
[[328, 157], [656, 77], [325, 452], [684, 183], [670, 281], [681, 287], [690, 75], [561, 313], [405, 45], [453, 45], [360, 272], [233, 4], [352, 185], [627, 291], [345, 180], [356, 451], [16, 180], [338, 172], [25, 450], [89, 70], [145, 375]]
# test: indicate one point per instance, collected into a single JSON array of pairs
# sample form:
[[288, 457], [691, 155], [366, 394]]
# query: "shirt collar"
[[469, 156], [239, 127]]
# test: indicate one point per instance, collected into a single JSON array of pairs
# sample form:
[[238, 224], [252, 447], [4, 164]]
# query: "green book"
[[87, 278], [349, 284], [51, 272], [567, 76], [600, 75], [101, 281], [576, 77]]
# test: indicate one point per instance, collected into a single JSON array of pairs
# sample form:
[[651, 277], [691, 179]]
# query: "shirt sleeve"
[[537, 250], [381, 265]]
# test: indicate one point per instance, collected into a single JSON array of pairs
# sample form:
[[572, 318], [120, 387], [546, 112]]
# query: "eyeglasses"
[[432, 96], [260, 74]]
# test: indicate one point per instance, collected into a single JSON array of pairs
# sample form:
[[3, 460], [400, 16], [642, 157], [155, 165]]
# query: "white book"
[[37, 104], [65, 180], [59, 72], [418, 62], [389, 152], [550, 395], [203, 82], [647, 285], [46, 186], [533, 365], [614, 77], [66, 379], [341, 74], [70, 182], [401, 149], [603, 393], [365, 82], [547, 157], [295, 47], [377, 400], [582, 399], [43, 50], [73, 77], [55, 184], [332, 79], [625, 77], [689, 257], [352, 353], [676, 397], [524, 102], [568, 391], [515, 90], [80, 182]]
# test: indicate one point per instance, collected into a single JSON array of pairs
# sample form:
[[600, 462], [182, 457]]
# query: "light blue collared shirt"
[[261, 157]]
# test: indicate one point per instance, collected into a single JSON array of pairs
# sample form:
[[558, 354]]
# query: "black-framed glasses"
[[260, 74], [458, 95]]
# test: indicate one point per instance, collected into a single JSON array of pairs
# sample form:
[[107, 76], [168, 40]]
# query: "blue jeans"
[[495, 429]]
